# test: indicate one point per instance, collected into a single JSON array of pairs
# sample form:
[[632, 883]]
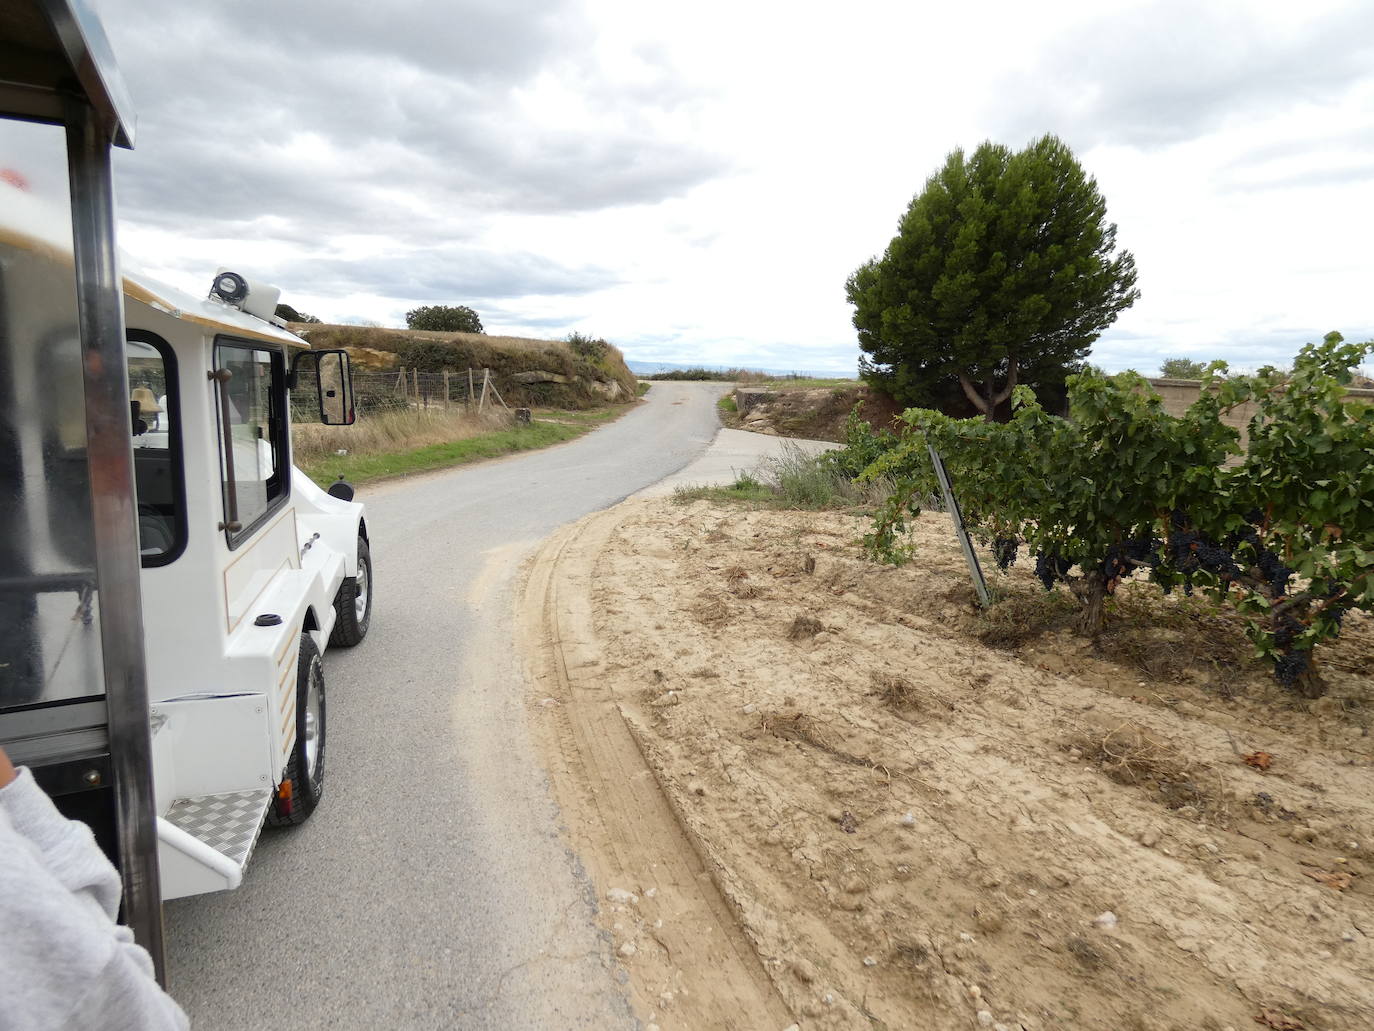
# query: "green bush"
[[428, 356], [444, 318], [863, 445], [594, 349]]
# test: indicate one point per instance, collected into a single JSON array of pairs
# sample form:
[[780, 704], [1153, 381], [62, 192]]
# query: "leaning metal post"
[[100, 313], [980, 585]]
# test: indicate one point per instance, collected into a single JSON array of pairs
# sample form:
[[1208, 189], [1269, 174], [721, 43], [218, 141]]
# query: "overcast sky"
[[696, 181]]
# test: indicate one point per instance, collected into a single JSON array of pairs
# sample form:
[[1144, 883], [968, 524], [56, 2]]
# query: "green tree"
[[290, 314], [1181, 368], [444, 318], [1004, 270]]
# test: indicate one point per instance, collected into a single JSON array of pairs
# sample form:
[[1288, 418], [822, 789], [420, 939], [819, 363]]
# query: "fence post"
[[415, 375], [486, 378], [980, 585], [446, 390], [471, 392], [401, 384]]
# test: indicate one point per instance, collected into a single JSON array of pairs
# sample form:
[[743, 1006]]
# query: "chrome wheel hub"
[[313, 723], [360, 599]]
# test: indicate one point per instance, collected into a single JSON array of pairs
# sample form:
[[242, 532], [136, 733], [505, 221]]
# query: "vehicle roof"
[[30, 223]]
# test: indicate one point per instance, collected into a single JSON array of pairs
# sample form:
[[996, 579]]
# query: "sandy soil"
[[917, 829]]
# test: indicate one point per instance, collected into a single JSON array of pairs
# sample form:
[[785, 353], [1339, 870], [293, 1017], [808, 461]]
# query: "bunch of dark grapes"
[[1274, 572], [1289, 666], [1004, 552], [1125, 558], [1049, 567], [1286, 628], [1189, 552]]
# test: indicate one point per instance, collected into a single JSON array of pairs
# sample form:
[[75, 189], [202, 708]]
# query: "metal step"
[[229, 823]]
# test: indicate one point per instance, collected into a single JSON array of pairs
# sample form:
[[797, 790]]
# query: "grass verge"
[[809, 383], [547, 428], [792, 480]]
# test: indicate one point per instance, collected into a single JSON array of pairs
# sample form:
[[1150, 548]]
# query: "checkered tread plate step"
[[228, 823]]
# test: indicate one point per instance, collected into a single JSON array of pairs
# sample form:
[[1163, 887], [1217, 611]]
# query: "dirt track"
[[744, 718]]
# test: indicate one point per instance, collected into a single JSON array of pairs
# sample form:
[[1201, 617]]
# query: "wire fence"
[[402, 389]]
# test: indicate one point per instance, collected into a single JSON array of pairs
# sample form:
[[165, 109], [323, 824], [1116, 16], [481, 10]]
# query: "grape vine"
[[1281, 528]]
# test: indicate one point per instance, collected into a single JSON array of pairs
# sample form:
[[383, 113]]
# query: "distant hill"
[[650, 368]]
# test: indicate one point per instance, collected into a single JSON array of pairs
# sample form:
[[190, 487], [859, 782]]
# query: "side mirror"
[[330, 373]]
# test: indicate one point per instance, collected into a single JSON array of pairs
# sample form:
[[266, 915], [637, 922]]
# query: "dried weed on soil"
[[926, 817]]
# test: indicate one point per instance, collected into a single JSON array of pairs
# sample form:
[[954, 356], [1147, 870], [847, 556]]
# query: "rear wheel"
[[300, 790], [353, 606]]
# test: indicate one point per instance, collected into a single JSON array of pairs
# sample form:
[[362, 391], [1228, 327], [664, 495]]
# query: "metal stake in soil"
[[980, 585]]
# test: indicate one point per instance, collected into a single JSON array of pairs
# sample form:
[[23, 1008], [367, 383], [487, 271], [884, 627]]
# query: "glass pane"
[[50, 643], [155, 475], [249, 468], [335, 404]]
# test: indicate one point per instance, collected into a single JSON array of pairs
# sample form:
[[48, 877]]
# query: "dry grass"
[[712, 608], [1023, 614], [810, 730], [1130, 754], [896, 691], [383, 432], [804, 627], [738, 583], [797, 726], [382, 339]]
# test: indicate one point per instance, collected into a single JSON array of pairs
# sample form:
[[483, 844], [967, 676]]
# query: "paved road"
[[431, 889]]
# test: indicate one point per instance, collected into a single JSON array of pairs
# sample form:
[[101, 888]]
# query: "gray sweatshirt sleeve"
[[66, 963]]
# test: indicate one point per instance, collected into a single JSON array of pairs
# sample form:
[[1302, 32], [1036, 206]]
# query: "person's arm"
[[67, 963]]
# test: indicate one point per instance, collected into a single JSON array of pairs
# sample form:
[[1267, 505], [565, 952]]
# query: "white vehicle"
[[169, 582], [255, 568]]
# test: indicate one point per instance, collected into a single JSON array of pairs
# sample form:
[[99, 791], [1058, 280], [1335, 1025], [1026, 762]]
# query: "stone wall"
[[1179, 394]]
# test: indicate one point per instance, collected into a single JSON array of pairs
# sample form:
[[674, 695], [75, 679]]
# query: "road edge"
[[678, 933]]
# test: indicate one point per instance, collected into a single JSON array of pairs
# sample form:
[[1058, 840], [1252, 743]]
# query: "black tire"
[[350, 626], [303, 785]]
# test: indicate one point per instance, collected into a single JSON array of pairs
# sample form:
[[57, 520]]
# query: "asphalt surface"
[[431, 888]]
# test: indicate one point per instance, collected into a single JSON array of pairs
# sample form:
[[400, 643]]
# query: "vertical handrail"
[[109, 448], [221, 378]]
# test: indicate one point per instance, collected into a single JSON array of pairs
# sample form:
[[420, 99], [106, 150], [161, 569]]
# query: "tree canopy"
[[1181, 368], [1004, 270], [444, 318], [290, 314]]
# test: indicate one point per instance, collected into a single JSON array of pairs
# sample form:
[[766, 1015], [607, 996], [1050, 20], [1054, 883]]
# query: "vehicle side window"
[[251, 404], [155, 412]]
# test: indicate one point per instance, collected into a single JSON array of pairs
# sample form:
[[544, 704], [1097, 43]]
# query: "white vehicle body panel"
[[222, 689]]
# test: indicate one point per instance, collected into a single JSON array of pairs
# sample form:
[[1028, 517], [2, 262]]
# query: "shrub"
[[428, 355], [444, 319], [593, 349], [863, 445]]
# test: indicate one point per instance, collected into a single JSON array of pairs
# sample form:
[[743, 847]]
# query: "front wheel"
[[300, 790], [353, 606]]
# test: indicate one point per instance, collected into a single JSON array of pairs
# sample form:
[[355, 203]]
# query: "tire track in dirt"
[[691, 964]]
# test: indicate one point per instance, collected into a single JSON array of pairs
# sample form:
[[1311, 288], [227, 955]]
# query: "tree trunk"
[[1092, 592], [973, 395], [988, 405], [1310, 684]]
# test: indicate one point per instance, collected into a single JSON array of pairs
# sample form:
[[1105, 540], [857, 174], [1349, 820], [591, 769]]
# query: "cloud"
[[436, 276], [1169, 72], [382, 118], [1244, 349]]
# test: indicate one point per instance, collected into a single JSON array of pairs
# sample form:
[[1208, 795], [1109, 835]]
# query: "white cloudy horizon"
[[695, 184]]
